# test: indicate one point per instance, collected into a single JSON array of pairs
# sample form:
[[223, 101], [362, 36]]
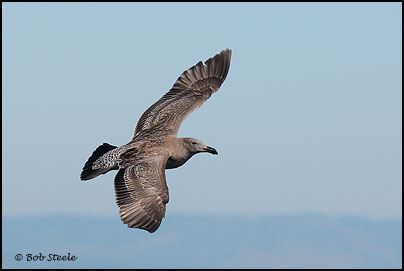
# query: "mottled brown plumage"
[[140, 184]]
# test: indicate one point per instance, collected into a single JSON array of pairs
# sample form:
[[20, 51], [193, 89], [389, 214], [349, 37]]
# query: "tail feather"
[[88, 171]]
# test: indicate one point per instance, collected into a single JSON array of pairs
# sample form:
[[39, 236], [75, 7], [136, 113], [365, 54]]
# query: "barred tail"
[[90, 171]]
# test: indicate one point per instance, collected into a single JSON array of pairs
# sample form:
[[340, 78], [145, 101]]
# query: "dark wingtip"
[[226, 53]]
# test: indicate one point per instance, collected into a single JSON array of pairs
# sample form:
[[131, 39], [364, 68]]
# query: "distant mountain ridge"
[[204, 242]]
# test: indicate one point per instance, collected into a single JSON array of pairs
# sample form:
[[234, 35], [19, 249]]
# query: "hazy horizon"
[[197, 241]]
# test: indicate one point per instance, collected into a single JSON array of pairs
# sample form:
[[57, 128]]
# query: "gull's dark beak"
[[211, 150]]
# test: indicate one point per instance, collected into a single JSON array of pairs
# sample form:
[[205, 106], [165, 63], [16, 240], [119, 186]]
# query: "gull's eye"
[[194, 143]]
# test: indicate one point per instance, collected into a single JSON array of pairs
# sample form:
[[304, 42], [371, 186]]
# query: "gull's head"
[[194, 145]]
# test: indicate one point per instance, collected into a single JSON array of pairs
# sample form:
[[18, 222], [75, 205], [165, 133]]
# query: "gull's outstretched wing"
[[189, 92], [141, 191]]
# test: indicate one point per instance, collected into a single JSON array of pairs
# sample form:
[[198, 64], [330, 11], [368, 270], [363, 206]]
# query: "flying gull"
[[140, 185]]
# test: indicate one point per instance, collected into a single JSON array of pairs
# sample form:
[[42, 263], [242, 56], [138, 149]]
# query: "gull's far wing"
[[189, 92]]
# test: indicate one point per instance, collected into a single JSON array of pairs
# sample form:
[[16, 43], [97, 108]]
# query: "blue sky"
[[307, 121]]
